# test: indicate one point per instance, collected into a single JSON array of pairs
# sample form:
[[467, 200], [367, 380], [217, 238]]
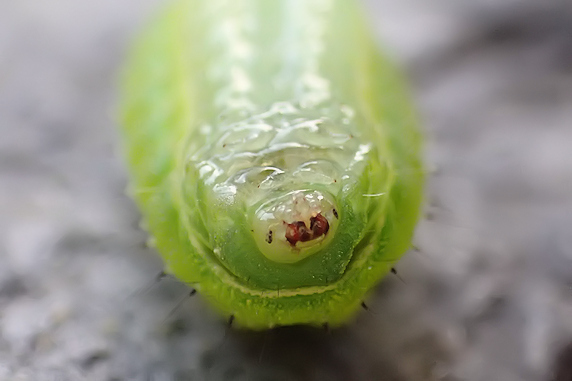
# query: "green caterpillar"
[[274, 154]]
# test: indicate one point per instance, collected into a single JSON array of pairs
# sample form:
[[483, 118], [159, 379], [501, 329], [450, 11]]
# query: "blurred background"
[[488, 296]]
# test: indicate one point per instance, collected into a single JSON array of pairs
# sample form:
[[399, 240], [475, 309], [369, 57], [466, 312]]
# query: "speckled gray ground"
[[488, 297]]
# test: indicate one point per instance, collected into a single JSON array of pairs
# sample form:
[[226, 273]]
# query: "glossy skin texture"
[[274, 155]]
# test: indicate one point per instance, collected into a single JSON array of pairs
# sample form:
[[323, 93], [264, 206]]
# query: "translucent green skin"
[[229, 105]]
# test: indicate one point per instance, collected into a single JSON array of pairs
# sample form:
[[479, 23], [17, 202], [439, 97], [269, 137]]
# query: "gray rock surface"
[[488, 296]]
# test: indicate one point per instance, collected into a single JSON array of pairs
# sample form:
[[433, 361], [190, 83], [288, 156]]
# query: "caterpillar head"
[[289, 228]]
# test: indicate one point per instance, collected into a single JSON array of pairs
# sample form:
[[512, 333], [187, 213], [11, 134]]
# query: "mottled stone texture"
[[488, 296]]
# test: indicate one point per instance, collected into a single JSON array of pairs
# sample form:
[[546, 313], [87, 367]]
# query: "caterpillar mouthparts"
[[299, 232]]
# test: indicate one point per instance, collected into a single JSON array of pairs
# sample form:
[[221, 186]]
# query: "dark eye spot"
[[335, 213], [269, 236]]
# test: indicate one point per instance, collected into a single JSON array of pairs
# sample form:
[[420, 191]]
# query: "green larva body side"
[[274, 155]]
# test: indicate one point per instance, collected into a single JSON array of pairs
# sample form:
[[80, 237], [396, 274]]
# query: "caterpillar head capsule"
[[290, 228]]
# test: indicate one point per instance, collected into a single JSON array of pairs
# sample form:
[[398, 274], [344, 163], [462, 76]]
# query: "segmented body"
[[274, 156]]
